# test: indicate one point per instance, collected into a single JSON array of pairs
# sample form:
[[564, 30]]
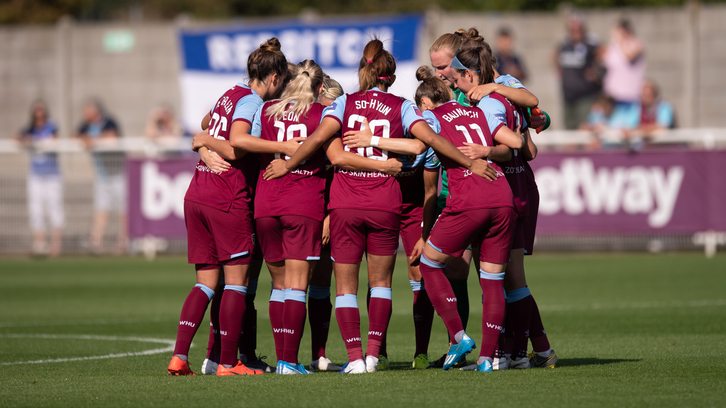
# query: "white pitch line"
[[169, 348], [81, 322]]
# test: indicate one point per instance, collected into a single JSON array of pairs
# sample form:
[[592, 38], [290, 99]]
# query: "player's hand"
[[537, 119], [326, 230], [480, 91], [199, 140], [214, 161], [392, 166], [417, 251], [484, 169], [475, 151], [276, 169], [358, 138], [292, 145]]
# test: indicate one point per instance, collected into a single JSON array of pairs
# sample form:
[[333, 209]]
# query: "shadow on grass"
[[576, 362], [399, 365], [563, 362]]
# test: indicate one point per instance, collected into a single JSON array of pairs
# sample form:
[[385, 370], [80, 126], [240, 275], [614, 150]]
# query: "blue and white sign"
[[215, 59]]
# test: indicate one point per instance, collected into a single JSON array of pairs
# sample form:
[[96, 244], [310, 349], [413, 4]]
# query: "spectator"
[[100, 135], [625, 65], [509, 62], [45, 185], [579, 66], [614, 124], [654, 114], [162, 124]]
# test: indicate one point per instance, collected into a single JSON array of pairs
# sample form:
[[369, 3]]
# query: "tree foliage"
[[48, 11]]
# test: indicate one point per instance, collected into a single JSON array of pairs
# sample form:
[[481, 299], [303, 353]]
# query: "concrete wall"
[[67, 63], [689, 69]]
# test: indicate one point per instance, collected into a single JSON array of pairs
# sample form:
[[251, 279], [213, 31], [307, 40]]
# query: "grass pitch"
[[630, 330]]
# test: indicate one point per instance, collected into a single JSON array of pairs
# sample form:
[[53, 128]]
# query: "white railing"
[[705, 138]]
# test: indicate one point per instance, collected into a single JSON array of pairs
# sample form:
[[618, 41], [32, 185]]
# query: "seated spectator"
[[45, 185], [509, 62], [611, 122], [162, 124], [654, 114]]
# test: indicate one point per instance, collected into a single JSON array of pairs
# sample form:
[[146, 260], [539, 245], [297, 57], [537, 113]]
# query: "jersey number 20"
[[374, 124]]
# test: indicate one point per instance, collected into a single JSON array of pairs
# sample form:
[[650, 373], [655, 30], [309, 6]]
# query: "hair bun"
[[273, 44], [471, 34], [424, 72]]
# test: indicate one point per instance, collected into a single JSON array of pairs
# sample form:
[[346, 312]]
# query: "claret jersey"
[[389, 116], [468, 191], [300, 192], [222, 190], [514, 169]]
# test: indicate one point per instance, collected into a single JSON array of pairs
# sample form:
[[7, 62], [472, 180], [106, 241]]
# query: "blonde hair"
[[454, 42], [331, 88], [302, 90]]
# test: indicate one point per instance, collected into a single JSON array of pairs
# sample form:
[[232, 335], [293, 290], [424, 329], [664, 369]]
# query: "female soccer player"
[[468, 74], [218, 215], [442, 53], [433, 94], [319, 305], [366, 206], [289, 210]]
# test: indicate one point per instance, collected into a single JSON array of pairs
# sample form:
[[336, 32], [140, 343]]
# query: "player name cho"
[[373, 104]]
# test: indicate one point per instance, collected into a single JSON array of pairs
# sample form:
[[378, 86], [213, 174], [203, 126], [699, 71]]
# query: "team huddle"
[[299, 175]]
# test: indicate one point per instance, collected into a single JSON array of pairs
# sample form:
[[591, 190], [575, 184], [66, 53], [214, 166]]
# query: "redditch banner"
[[156, 196], [619, 192], [580, 193], [216, 59]]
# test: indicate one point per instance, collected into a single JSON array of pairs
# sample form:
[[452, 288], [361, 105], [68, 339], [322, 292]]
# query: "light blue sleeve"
[[246, 108], [494, 112], [664, 115], [494, 122], [431, 119], [409, 115], [432, 161], [509, 81], [336, 109], [624, 117], [257, 123]]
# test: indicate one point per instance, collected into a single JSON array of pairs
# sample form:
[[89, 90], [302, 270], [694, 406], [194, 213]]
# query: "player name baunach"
[[373, 104], [458, 113]]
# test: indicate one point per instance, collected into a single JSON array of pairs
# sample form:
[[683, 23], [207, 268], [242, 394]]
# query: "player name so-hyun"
[[373, 104]]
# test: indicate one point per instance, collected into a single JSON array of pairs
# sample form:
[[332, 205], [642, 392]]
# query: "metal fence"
[[80, 184]]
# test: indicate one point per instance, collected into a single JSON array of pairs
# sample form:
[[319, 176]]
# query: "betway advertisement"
[[580, 193], [156, 196], [619, 192], [215, 59]]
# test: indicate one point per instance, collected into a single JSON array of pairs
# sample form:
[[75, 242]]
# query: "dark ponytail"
[[377, 67], [267, 60], [477, 58], [431, 87]]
